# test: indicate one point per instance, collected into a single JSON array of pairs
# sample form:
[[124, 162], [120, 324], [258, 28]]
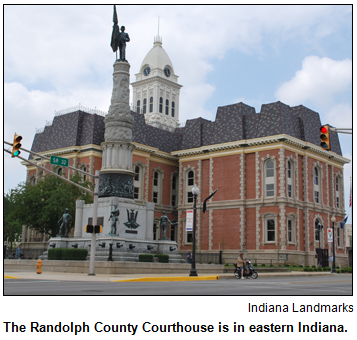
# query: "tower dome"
[[156, 91]]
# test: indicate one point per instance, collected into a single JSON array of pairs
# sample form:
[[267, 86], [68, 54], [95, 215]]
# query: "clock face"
[[147, 71], [167, 72]]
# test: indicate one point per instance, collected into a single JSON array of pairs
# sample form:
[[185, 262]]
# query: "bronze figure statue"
[[119, 39], [163, 225], [114, 215], [65, 223]]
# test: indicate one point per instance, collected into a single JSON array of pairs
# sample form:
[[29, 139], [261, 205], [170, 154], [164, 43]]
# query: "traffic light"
[[16, 146], [88, 228], [93, 229], [98, 229], [325, 137]]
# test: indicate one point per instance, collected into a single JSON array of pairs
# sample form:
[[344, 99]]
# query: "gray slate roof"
[[233, 122]]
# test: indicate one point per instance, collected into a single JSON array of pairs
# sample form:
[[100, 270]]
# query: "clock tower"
[[156, 92]]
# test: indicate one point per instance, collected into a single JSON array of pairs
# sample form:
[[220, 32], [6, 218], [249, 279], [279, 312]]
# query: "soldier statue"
[[114, 215], [123, 39], [65, 223], [163, 225]]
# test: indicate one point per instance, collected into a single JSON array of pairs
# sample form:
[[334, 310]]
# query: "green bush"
[[74, 254], [301, 266], [146, 258], [306, 269], [163, 258], [287, 265], [319, 269], [294, 265], [326, 269], [263, 265], [55, 253], [313, 266], [338, 271]]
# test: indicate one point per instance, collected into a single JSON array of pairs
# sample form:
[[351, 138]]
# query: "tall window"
[[174, 191], [167, 107], [291, 236], [84, 177], [339, 237], [151, 104], [290, 180], [316, 185], [269, 178], [157, 186], [138, 106], [337, 193], [59, 171], [270, 230], [173, 109], [189, 186], [144, 106], [318, 227], [137, 183], [160, 104]]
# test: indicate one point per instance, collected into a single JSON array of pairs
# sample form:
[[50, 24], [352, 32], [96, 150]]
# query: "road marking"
[[297, 283], [32, 281]]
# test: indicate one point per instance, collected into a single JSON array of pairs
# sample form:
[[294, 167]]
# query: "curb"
[[166, 279]]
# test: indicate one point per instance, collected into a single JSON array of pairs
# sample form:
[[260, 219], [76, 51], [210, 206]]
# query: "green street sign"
[[59, 161]]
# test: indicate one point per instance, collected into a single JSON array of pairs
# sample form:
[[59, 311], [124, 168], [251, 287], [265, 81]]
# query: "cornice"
[[148, 81], [257, 144]]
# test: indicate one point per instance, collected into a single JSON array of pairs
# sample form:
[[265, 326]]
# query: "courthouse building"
[[275, 181]]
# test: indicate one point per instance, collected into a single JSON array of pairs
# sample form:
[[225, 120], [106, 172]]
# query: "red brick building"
[[275, 181]]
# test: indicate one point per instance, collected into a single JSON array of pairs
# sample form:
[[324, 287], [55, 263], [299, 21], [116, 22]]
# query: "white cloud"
[[340, 116], [319, 80]]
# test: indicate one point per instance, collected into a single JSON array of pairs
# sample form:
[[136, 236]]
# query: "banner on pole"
[[189, 220], [329, 235]]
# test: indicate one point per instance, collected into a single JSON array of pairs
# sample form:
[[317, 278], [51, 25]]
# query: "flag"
[[115, 34], [350, 192], [204, 202], [343, 222]]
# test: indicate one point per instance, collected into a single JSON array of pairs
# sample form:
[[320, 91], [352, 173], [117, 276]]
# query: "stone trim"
[[321, 177], [257, 227], [242, 176], [210, 219], [199, 220], [147, 180], [294, 217], [257, 180], [281, 173], [283, 226]]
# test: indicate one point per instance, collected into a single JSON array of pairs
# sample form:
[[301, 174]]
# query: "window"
[[339, 237], [157, 186], [317, 230], [189, 186], [137, 182], [160, 104], [291, 234], [138, 106], [316, 185], [174, 191], [144, 106], [84, 177], [59, 171], [270, 235], [33, 181], [337, 193], [167, 107], [173, 109], [151, 104], [289, 176], [269, 178]]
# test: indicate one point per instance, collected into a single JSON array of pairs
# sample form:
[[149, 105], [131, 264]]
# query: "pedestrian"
[[189, 257], [18, 252]]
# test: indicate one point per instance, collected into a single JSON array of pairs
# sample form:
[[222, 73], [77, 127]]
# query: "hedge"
[[163, 258], [146, 258], [67, 254]]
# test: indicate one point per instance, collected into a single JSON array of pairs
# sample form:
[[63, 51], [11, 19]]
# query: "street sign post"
[[59, 161]]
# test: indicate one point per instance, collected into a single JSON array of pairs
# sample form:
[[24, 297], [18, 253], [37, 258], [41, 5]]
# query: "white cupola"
[[156, 92]]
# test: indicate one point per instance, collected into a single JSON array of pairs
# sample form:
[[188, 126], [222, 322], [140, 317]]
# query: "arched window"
[[337, 193], [144, 105], [173, 109], [190, 182], [316, 185], [167, 107], [269, 179], [33, 181], [84, 176], [160, 104], [138, 106], [174, 190], [151, 104], [59, 171], [289, 176], [137, 182]]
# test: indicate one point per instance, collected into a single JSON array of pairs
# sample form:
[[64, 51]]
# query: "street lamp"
[[319, 227], [333, 220], [195, 192]]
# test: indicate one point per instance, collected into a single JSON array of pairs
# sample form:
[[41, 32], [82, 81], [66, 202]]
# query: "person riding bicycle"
[[241, 264]]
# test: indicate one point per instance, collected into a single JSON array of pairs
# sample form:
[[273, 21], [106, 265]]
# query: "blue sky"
[[56, 57]]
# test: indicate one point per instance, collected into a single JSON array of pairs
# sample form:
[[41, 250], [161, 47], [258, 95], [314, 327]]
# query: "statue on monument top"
[[119, 39]]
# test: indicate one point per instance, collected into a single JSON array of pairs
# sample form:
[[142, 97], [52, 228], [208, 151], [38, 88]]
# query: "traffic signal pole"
[[341, 130], [94, 222]]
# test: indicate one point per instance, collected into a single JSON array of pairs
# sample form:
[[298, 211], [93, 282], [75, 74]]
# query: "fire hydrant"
[[39, 266]]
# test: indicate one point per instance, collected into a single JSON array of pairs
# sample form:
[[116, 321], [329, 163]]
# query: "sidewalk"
[[140, 277]]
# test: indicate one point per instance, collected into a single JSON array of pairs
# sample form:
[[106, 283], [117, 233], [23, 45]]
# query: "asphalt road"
[[317, 286]]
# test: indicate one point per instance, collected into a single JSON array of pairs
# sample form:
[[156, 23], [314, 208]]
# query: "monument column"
[[116, 175]]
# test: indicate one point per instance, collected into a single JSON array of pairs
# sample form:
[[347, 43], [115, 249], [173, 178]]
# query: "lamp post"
[[333, 220], [195, 192]]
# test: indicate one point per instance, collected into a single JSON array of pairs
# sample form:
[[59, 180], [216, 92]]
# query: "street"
[[317, 286]]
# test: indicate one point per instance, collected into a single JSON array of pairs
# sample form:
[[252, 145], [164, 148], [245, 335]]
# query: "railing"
[[80, 108], [210, 258]]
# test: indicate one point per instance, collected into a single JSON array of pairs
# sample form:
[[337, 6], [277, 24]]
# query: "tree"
[[12, 224], [40, 206]]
